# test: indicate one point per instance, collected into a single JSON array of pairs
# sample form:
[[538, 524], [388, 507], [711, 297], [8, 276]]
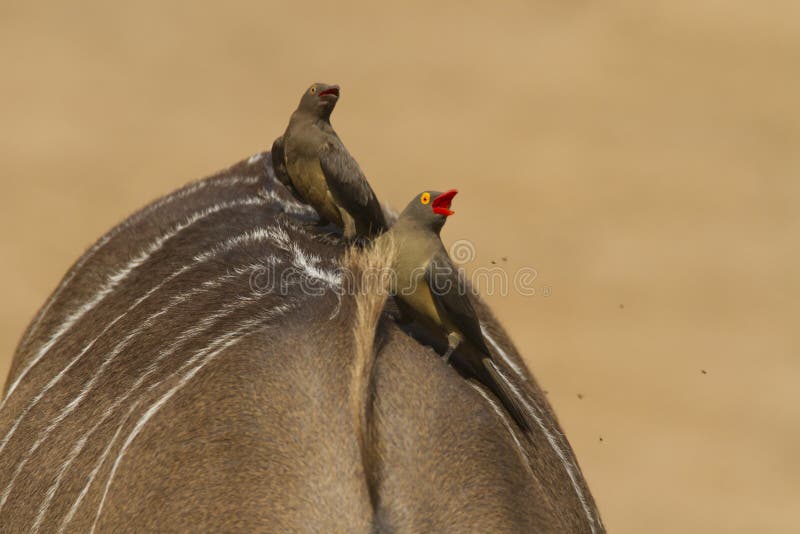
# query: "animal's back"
[[194, 371]]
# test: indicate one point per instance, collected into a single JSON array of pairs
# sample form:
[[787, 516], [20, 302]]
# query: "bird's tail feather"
[[508, 395]]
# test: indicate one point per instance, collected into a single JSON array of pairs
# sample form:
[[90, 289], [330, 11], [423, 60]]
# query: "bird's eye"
[[313, 89], [425, 198]]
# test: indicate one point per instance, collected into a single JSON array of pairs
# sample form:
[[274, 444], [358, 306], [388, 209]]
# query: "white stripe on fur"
[[61, 374], [569, 467], [54, 487], [181, 193], [207, 355], [114, 279], [508, 361], [108, 411], [184, 337], [504, 417], [98, 465]]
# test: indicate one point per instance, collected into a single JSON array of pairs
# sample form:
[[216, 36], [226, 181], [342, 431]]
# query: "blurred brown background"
[[642, 156]]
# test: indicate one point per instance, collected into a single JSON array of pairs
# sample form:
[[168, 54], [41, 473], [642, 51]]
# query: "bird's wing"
[[279, 162], [348, 184], [451, 294]]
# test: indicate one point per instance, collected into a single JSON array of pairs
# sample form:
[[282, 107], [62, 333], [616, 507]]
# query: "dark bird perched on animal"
[[279, 164], [429, 290], [313, 159]]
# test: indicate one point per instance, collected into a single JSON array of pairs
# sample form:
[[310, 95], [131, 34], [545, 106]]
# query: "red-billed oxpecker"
[[313, 159], [429, 290]]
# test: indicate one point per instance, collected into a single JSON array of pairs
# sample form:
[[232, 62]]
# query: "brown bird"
[[429, 290], [279, 164], [321, 170]]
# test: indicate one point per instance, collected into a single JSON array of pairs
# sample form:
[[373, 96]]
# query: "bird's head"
[[430, 209], [319, 100]]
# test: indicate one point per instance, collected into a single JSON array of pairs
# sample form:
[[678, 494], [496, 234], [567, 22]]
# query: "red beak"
[[441, 204], [330, 91]]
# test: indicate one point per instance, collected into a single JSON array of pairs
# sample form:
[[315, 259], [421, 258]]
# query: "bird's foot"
[[453, 341], [448, 353]]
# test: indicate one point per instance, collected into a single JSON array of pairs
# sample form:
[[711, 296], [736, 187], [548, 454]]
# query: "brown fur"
[[307, 423], [370, 294]]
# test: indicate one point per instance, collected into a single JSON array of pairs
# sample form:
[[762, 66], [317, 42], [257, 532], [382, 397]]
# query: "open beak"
[[331, 92], [441, 204]]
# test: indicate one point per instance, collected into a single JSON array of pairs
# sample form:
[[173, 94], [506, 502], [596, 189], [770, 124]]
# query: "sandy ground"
[[641, 156]]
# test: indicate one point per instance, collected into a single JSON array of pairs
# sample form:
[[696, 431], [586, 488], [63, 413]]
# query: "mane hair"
[[369, 271]]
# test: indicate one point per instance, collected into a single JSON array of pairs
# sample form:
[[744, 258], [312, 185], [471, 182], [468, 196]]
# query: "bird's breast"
[[309, 180], [413, 290]]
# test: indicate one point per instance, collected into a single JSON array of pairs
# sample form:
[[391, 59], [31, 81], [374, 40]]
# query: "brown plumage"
[[313, 159], [430, 291]]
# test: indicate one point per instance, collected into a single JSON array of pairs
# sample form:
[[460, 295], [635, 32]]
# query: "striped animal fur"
[[204, 366]]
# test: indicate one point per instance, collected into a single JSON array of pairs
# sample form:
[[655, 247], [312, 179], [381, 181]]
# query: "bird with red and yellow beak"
[[428, 290]]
